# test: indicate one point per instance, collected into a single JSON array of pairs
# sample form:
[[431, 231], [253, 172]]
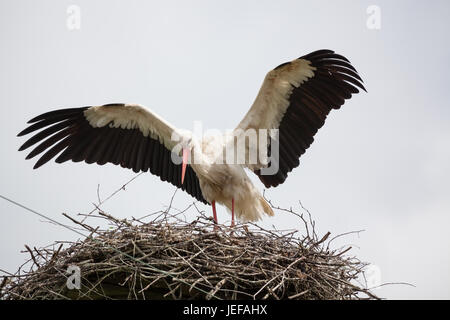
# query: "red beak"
[[185, 160]]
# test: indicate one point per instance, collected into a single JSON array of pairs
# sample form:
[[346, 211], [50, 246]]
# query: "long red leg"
[[232, 212], [214, 214]]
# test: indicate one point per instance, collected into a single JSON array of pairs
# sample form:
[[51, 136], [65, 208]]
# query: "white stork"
[[295, 98]]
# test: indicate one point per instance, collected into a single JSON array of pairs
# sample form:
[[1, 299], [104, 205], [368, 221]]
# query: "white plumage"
[[294, 99]]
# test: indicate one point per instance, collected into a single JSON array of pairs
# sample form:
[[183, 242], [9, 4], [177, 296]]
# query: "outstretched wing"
[[296, 98], [123, 134]]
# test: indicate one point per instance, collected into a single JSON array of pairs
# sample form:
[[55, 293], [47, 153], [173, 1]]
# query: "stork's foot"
[[213, 204], [232, 212]]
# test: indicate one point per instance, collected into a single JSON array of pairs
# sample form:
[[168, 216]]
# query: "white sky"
[[381, 163]]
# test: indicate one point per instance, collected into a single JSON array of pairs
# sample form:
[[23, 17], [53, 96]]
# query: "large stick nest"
[[166, 257]]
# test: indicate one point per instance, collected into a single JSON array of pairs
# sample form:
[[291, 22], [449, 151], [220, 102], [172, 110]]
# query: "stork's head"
[[187, 144]]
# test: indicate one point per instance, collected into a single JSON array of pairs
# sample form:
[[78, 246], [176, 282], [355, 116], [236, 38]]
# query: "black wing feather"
[[335, 80], [67, 132]]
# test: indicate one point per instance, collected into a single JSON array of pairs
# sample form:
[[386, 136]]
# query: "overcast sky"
[[381, 163]]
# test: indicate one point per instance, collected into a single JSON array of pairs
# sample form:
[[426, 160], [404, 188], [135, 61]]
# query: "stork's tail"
[[247, 209], [267, 208]]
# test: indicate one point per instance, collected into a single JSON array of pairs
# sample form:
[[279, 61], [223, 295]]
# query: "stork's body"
[[295, 99], [227, 183]]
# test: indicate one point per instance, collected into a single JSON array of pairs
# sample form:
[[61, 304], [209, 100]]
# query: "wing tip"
[[37, 165], [30, 156], [22, 147], [328, 58], [25, 131]]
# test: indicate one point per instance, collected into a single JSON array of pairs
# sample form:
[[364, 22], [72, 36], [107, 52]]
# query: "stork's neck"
[[206, 153]]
